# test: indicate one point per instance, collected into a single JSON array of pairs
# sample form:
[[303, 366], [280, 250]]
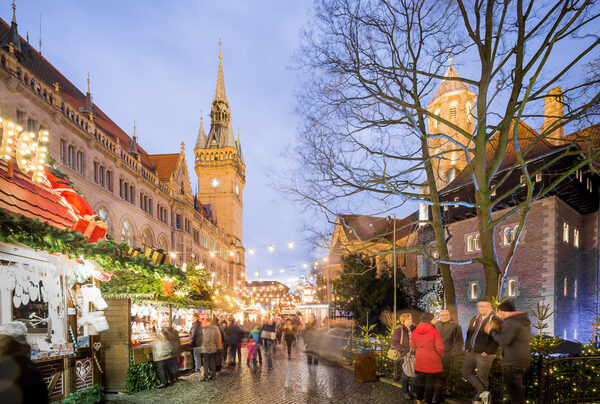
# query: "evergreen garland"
[[131, 275]]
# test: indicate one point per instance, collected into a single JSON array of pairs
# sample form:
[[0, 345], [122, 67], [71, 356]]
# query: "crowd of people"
[[426, 352], [218, 344]]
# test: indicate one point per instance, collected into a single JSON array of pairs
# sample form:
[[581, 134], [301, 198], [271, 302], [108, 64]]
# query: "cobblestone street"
[[290, 381]]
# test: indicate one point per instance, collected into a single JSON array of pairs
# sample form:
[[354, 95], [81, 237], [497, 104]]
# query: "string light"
[[251, 251], [271, 248], [290, 244]]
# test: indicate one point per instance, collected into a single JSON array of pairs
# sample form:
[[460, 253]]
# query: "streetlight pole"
[[328, 294], [395, 268]]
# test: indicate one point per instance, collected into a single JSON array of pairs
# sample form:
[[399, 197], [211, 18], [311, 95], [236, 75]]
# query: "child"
[[252, 353], [254, 337]]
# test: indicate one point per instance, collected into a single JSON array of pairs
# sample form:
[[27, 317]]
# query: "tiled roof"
[[370, 228], [530, 143], [20, 196], [164, 164], [45, 71]]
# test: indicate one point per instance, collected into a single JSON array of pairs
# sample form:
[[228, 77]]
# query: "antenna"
[[40, 34]]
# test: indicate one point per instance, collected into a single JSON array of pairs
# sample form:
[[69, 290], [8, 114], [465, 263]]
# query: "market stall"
[[134, 320], [58, 300]]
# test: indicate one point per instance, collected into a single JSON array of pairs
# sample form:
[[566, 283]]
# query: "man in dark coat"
[[196, 342], [480, 349], [452, 339], [513, 337], [233, 333]]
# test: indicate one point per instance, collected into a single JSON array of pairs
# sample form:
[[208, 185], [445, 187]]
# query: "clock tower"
[[220, 167]]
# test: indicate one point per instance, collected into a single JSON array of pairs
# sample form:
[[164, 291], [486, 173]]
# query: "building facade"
[[146, 200]]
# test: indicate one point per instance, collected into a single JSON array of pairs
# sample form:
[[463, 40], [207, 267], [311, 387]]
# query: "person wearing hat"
[[20, 380], [427, 341], [513, 337]]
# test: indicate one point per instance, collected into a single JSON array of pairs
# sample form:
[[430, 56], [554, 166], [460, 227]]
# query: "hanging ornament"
[[17, 301], [98, 363]]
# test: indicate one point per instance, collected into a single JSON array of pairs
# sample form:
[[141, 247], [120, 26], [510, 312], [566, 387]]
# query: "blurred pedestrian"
[[233, 333], [289, 334], [480, 350], [255, 336], [161, 351], [309, 337], [173, 337], [267, 336], [428, 358], [513, 337], [452, 339], [252, 353], [20, 380], [211, 344], [401, 343], [196, 342], [221, 356]]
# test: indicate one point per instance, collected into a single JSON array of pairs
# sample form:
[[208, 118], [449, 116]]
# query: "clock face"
[[215, 183], [237, 190]]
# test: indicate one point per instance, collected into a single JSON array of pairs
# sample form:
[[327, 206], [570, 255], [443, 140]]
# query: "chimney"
[[553, 116]]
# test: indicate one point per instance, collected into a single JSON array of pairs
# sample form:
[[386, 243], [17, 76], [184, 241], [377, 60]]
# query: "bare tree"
[[370, 142]]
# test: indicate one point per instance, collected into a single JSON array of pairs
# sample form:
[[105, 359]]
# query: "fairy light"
[[172, 255], [271, 248], [290, 244]]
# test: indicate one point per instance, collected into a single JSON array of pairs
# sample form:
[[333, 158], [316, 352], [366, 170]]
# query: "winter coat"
[[452, 337], [514, 340], [401, 340], [20, 379], [255, 334], [483, 342], [252, 351], [430, 349], [161, 348], [196, 335], [173, 338], [233, 332], [211, 340]]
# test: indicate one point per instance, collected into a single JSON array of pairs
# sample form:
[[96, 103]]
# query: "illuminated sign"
[[28, 149]]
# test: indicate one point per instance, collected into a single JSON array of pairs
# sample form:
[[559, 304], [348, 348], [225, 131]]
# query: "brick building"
[[556, 260], [146, 200]]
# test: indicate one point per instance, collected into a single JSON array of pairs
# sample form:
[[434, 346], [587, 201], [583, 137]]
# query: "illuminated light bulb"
[[46, 133], [10, 124], [39, 179], [251, 251], [231, 253], [8, 149], [7, 157], [212, 254], [172, 255], [19, 129], [44, 149], [23, 162], [282, 270], [290, 244], [9, 140], [25, 136], [43, 155], [271, 248]]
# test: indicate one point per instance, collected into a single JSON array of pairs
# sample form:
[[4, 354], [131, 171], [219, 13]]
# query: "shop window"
[[32, 310]]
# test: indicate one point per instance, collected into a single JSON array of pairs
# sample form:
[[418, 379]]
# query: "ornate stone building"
[[145, 199]]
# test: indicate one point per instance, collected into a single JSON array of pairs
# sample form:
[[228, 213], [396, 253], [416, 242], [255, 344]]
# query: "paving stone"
[[291, 381]]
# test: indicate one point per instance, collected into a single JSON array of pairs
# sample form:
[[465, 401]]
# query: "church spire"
[[13, 34], [201, 139], [220, 92]]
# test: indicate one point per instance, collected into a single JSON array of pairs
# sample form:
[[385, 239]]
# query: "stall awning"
[[19, 196]]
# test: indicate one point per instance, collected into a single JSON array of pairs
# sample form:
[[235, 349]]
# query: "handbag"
[[393, 354], [264, 334], [408, 366]]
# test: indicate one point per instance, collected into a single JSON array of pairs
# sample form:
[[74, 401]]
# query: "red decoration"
[[63, 188], [94, 230], [104, 277]]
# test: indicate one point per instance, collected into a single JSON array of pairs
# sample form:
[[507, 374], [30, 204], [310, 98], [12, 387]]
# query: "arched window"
[[470, 244], [163, 244], [103, 213], [469, 112], [127, 233], [477, 244], [437, 113], [147, 239], [508, 236], [473, 291], [71, 156]]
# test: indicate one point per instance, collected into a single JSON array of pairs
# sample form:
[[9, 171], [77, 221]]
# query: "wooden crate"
[[364, 367]]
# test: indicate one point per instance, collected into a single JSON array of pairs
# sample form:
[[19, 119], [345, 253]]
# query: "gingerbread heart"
[[97, 345], [83, 368]]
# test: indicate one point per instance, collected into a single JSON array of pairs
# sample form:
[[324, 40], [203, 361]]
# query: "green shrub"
[[142, 376], [90, 395]]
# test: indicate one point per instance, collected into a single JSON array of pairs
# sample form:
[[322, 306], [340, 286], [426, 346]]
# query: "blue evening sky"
[[156, 62]]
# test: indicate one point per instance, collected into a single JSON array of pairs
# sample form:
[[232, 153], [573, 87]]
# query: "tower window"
[[565, 287], [453, 113], [470, 244], [565, 232], [576, 238], [473, 291], [437, 113]]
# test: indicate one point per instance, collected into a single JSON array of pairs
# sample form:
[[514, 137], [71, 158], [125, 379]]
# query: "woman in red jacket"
[[428, 359]]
